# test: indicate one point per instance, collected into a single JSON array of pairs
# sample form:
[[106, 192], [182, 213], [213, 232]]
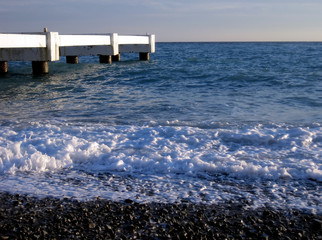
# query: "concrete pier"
[[106, 59], [43, 47], [40, 67], [3, 67], [72, 59]]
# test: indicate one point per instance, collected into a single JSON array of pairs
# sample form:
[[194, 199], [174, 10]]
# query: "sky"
[[170, 20]]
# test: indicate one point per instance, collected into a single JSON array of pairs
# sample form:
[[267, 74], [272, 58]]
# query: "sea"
[[203, 123]]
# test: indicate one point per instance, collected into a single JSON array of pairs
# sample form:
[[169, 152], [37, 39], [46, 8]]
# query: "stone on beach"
[[24, 217]]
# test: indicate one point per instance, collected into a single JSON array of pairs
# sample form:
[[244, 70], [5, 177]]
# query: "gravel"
[[25, 217]]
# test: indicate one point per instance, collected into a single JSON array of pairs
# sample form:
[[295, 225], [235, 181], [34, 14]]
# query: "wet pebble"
[[24, 217]]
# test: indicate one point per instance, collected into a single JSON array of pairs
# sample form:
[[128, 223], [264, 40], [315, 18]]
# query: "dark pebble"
[[24, 217]]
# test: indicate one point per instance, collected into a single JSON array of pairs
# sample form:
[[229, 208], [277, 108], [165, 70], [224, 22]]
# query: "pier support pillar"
[[144, 56], [3, 67], [106, 59], [72, 59], [116, 58], [40, 67]]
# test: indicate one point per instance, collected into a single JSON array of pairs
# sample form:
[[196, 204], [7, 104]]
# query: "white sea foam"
[[260, 152], [261, 163]]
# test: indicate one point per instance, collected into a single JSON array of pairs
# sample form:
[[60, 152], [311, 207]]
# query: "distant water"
[[199, 122]]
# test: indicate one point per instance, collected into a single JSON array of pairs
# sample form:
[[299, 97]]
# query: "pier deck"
[[44, 47]]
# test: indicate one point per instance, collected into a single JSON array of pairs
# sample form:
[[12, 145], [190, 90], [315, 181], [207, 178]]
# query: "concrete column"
[[116, 58], [3, 67], [72, 59], [144, 56], [40, 67], [106, 59]]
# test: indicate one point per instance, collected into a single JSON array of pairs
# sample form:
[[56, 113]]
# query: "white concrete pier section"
[[44, 47]]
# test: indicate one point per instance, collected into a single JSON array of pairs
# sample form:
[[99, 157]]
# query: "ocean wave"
[[245, 151]]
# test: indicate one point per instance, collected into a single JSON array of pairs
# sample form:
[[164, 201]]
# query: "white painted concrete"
[[29, 47], [22, 40], [87, 45], [84, 40], [152, 43], [127, 39], [52, 43], [49, 46], [131, 44]]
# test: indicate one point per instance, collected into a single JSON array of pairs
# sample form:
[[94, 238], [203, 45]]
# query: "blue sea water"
[[199, 122]]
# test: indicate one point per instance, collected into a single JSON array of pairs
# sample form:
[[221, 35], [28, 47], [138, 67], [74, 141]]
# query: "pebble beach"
[[24, 217]]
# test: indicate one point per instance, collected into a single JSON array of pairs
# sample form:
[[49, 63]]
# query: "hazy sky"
[[170, 20]]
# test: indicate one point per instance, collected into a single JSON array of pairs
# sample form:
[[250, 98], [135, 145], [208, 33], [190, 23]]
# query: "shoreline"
[[25, 217]]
